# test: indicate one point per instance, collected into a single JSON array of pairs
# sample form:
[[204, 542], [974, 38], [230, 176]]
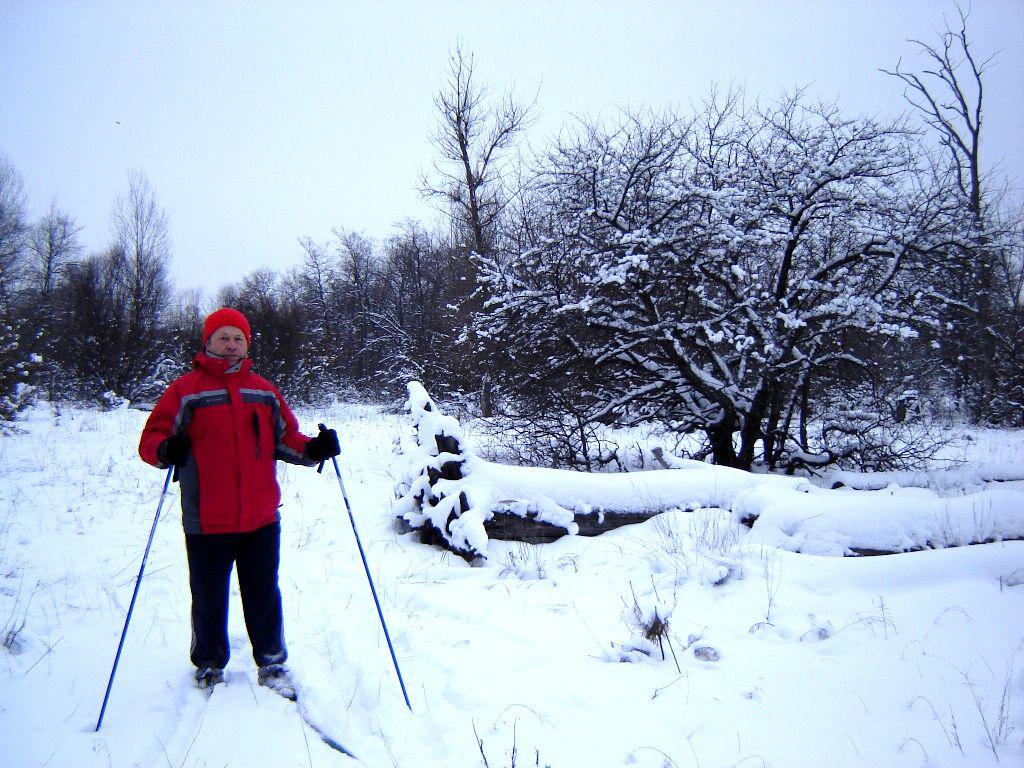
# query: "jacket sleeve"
[[159, 426], [290, 443]]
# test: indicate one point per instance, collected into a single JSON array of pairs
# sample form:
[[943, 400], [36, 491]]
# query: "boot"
[[276, 678], [207, 677]]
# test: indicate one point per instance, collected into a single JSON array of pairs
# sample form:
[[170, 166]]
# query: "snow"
[[698, 485], [914, 659], [835, 523]]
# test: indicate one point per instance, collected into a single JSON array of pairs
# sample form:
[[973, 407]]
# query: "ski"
[[296, 697], [315, 727], [324, 737], [329, 740]]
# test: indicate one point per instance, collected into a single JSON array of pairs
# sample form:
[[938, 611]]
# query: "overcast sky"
[[260, 123]]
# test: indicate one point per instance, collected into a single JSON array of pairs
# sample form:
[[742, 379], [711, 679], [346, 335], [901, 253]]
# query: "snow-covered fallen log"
[[461, 501], [955, 479], [591, 503], [829, 522]]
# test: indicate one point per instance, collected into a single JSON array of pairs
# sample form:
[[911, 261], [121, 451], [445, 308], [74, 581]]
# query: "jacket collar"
[[220, 367]]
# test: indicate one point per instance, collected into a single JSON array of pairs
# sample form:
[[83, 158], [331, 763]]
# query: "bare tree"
[[13, 229], [474, 136], [142, 237], [357, 294], [338, 283], [52, 246], [949, 94], [113, 304], [142, 242], [53, 242]]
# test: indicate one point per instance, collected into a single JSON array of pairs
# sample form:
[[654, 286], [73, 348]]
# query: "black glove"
[[324, 446], [174, 450]]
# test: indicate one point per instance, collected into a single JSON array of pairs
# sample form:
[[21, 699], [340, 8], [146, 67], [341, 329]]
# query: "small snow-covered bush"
[[18, 371], [111, 401], [433, 496]]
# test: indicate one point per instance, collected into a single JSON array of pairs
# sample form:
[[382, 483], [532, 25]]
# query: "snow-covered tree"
[[17, 362], [13, 229], [711, 271], [432, 495], [18, 371]]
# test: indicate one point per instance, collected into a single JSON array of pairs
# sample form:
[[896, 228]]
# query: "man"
[[223, 428]]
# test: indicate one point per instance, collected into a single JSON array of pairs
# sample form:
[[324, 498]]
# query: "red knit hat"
[[222, 317]]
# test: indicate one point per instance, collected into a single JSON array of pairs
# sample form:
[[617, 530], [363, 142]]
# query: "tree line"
[[794, 285], [356, 319]]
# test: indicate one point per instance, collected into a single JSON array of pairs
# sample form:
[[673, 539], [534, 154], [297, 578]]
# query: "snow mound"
[[892, 520]]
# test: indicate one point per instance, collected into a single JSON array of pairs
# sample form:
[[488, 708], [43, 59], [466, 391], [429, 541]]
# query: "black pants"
[[210, 559]]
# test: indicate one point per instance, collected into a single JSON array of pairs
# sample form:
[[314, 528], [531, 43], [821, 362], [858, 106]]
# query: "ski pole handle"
[[320, 469]]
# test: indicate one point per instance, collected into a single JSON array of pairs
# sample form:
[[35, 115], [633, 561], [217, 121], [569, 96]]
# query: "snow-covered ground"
[[539, 658]]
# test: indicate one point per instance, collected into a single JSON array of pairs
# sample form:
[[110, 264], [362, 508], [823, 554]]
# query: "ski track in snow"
[[823, 661]]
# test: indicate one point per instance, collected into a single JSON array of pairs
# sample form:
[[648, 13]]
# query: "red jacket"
[[239, 426]]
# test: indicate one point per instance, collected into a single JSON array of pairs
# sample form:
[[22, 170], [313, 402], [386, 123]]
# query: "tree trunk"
[[722, 449], [752, 430]]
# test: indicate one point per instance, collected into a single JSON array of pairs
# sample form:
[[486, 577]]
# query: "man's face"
[[228, 342]]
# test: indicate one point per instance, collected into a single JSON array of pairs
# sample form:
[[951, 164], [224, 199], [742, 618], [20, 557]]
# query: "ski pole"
[[369, 578], [135, 594]]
